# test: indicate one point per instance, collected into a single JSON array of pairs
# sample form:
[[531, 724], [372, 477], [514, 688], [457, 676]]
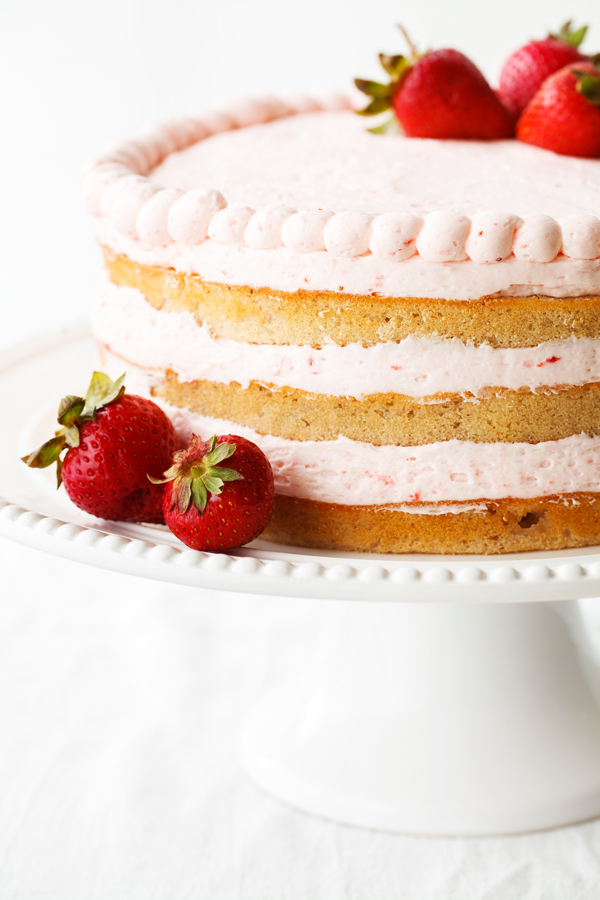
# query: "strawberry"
[[439, 94], [526, 69], [113, 440], [564, 115], [210, 507]]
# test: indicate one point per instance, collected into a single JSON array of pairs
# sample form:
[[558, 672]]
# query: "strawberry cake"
[[409, 328]]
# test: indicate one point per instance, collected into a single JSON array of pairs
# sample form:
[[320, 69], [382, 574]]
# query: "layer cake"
[[408, 328]]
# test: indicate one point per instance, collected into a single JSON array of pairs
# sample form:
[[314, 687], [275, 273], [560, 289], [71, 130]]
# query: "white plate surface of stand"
[[463, 709]]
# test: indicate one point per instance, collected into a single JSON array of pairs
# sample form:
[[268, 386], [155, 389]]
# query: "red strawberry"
[[526, 69], [440, 94], [564, 115], [113, 440], [210, 507]]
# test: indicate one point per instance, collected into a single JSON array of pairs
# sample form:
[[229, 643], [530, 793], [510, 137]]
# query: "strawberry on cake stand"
[[460, 695]]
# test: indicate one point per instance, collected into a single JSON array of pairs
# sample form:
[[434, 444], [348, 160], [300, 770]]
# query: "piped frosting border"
[[117, 188]]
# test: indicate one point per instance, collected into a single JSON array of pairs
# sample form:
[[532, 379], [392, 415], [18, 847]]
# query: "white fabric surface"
[[119, 709]]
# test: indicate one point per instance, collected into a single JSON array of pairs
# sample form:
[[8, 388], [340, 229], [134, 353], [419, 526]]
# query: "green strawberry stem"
[[101, 392], [196, 473], [382, 94], [566, 34], [73, 412], [588, 85]]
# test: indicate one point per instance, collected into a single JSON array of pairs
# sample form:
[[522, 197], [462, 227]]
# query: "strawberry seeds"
[[123, 462]]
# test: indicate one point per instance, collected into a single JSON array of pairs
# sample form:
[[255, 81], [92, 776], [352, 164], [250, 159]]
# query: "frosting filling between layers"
[[361, 474], [414, 367]]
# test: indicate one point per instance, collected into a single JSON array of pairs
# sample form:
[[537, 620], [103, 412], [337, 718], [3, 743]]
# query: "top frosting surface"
[[299, 195], [330, 160]]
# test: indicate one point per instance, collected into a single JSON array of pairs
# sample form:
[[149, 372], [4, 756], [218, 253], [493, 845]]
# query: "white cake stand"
[[461, 710]]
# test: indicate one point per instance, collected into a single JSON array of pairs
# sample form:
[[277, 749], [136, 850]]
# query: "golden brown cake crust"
[[266, 316], [506, 526], [380, 419]]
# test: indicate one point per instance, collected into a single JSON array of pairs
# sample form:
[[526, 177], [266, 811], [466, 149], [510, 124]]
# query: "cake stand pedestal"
[[461, 707], [456, 718]]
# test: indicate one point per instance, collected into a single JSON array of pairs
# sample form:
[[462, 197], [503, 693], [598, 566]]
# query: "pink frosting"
[[358, 474], [360, 197], [120, 185], [355, 473], [419, 368], [491, 236], [189, 218], [304, 231], [151, 222], [229, 224], [581, 236], [443, 237], [263, 231], [538, 238], [394, 234], [348, 234]]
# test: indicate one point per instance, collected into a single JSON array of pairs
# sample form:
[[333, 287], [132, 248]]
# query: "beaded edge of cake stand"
[[251, 570]]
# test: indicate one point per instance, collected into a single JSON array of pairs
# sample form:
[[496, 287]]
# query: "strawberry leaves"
[[588, 85], [196, 473], [69, 413], [202, 509], [45, 455], [101, 392], [69, 409], [393, 65], [73, 412], [381, 95], [566, 34]]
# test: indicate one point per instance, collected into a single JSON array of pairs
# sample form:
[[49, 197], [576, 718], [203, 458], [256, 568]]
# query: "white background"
[[120, 699]]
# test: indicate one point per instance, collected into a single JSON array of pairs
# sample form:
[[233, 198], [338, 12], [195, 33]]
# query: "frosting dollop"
[[189, 217], [263, 231], [229, 224], [442, 237], [348, 234], [580, 236], [537, 239], [491, 236], [393, 235], [152, 218], [304, 231]]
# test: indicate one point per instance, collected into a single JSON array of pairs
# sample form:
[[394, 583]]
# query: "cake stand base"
[[458, 719]]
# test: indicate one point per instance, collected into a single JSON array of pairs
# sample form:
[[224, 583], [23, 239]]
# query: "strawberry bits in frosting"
[[206, 210], [407, 327]]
